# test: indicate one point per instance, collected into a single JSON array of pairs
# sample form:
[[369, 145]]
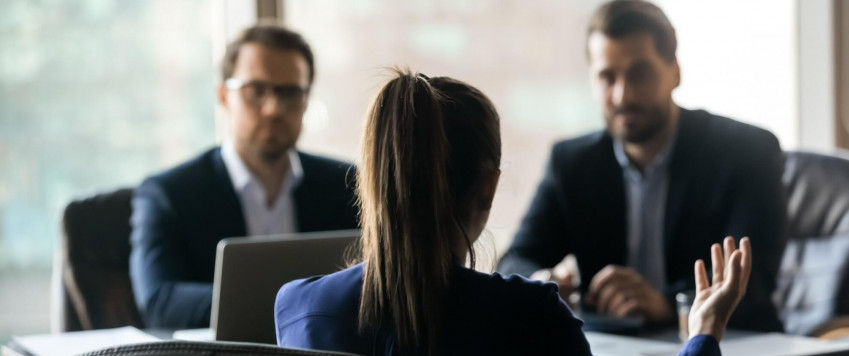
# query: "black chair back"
[[175, 348], [95, 263], [814, 276]]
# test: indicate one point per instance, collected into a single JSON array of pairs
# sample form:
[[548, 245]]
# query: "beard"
[[651, 122], [271, 156], [272, 150]]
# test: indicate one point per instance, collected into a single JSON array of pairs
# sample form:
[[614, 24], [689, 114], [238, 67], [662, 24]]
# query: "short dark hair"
[[273, 37], [620, 18]]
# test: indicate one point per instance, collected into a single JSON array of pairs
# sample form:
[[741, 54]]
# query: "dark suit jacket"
[[724, 179], [180, 215], [485, 314]]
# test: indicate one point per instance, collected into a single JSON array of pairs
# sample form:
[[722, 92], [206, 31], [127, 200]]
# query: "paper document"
[[206, 334], [615, 345], [782, 345], [73, 343]]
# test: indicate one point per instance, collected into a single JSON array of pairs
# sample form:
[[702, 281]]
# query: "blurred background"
[[98, 94]]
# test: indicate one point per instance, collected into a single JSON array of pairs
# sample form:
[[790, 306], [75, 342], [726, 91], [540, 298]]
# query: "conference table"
[[650, 343], [735, 342]]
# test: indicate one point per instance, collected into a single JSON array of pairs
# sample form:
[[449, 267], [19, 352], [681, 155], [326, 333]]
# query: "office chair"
[[218, 348], [813, 285], [95, 255]]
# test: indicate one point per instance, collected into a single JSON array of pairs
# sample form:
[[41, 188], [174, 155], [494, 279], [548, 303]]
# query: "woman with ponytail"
[[429, 169]]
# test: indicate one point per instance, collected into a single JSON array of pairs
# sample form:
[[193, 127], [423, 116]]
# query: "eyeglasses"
[[255, 93]]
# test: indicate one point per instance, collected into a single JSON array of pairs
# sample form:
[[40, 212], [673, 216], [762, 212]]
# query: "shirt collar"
[[241, 176], [296, 171], [660, 160]]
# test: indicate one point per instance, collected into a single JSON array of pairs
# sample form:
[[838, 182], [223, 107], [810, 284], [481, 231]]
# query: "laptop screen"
[[249, 272]]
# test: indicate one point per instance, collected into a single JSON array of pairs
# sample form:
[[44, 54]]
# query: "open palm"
[[715, 301]]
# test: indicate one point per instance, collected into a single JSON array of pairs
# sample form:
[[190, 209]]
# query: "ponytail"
[[405, 201], [417, 169]]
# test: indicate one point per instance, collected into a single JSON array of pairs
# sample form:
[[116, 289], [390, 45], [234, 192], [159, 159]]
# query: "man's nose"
[[623, 93], [272, 105]]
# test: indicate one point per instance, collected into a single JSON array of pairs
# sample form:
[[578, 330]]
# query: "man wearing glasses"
[[256, 183]]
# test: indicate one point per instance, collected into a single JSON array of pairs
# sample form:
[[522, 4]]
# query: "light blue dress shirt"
[[645, 198]]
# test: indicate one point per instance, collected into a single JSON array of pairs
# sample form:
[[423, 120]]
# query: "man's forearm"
[[515, 263], [180, 305]]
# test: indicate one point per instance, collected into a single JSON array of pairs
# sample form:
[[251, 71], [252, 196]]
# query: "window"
[[529, 58], [98, 94], [744, 68], [93, 95]]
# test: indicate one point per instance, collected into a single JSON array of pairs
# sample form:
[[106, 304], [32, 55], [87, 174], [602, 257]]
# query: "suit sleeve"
[[540, 241], [701, 345], [560, 331], [758, 211], [562, 334], [158, 269]]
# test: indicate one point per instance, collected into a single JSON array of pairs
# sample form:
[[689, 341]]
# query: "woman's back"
[[484, 314], [426, 182]]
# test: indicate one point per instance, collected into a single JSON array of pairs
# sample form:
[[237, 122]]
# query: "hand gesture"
[[714, 302]]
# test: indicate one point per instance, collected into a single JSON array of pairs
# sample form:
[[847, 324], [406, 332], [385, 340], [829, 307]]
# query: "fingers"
[[565, 283], [717, 263], [601, 279], [740, 267], [565, 279], [615, 302], [565, 273], [629, 307], [607, 275], [542, 275], [621, 287], [701, 276], [615, 295], [728, 247], [568, 267], [746, 249], [562, 280], [734, 272]]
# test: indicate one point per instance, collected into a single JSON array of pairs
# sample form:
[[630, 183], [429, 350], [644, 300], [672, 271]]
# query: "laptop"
[[249, 272]]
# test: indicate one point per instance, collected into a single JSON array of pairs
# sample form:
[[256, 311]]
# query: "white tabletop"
[[736, 343]]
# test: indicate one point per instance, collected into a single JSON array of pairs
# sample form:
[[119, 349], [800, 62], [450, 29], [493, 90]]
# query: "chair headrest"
[[817, 193]]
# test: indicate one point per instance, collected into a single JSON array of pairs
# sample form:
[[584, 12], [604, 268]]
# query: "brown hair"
[[427, 142], [620, 18], [270, 36]]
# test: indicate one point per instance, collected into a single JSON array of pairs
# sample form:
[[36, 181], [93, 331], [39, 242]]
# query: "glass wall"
[[529, 58], [738, 59], [94, 95], [98, 94]]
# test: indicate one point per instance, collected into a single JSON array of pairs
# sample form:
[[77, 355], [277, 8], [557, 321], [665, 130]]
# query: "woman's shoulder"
[[524, 296], [516, 310], [513, 285], [332, 293]]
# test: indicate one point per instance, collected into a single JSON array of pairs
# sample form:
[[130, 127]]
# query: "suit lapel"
[[232, 219], [680, 171], [607, 177], [303, 206]]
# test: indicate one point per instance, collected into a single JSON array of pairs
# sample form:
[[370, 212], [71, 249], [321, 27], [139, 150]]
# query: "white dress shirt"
[[261, 219]]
